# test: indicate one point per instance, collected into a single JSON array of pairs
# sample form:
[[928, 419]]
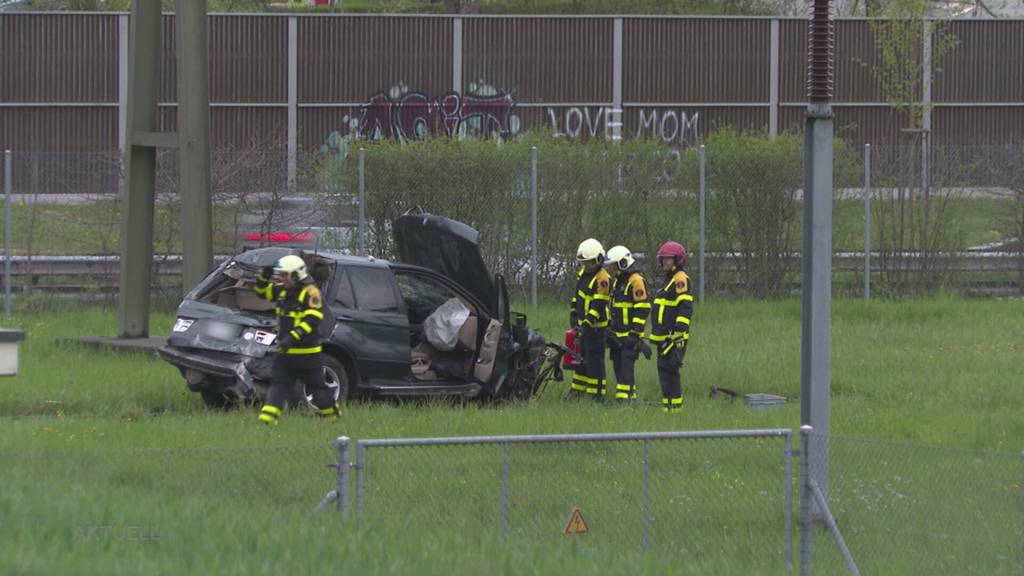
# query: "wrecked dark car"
[[436, 324]]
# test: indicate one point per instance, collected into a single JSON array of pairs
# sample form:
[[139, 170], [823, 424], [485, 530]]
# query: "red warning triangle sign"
[[576, 523]]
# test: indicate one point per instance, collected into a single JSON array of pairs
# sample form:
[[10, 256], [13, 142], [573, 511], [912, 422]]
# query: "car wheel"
[[218, 400], [336, 379]]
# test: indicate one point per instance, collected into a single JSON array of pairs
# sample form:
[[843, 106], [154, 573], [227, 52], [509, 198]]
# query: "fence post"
[[533, 225], [362, 202], [805, 501], [8, 169], [647, 493], [787, 459], [505, 508], [867, 221], [702, 155], [343, 470], [360, 472]]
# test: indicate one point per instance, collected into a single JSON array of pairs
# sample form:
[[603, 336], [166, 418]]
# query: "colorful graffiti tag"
[[415, 115]]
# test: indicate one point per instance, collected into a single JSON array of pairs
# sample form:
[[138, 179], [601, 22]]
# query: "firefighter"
[[299, 312], [628, 318], [670, 323], [589, 317]]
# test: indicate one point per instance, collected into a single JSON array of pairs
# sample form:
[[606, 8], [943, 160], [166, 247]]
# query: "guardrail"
[[170, 265], [66, 274]]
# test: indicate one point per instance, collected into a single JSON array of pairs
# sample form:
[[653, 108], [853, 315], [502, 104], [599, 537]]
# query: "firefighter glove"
[[286, 342]]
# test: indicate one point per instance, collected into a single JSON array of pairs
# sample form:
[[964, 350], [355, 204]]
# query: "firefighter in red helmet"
[[670, 323]]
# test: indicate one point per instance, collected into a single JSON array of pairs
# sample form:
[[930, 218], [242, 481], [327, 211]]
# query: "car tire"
[[217, 400], [336, 377]]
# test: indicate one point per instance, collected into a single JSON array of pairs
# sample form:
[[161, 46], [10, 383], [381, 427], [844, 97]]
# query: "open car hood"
[[448, 247]]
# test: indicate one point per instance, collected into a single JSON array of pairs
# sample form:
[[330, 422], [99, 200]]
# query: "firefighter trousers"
[[307, 369], [624, 364], [590, 378], [668, 377]]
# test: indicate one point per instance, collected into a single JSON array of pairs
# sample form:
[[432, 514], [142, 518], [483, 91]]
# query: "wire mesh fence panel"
[[433, 488], [709, 501], [75, 494], [720, 498], [602, 480], [906, 509]]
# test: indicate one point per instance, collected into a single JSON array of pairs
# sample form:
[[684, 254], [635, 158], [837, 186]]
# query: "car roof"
[[257, 256]]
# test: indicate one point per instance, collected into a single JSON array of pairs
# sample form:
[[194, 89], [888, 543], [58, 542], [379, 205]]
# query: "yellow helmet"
[[621, 256], [590, 249], [293, 266]]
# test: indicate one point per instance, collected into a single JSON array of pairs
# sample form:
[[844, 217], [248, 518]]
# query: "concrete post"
[[139, 171], [194, 142]]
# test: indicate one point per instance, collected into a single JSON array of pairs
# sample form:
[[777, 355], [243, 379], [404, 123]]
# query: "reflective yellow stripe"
[[295, 334], [601, 297], [621, 334], [593, 313], [309, 329], [639, 320], [266, 291], [579, 387], [314, 313], [624, 387], [268, 419], [683, 319], [667, 348], [623, 304], [642, 305], [583, 378], [271, 409], [327, 411], [302, 294], [676, 401], [313, 350], [658, 337]]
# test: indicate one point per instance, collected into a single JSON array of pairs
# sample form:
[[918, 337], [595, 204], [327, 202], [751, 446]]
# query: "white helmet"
[[590, 249], [292, 265], [621, 256]]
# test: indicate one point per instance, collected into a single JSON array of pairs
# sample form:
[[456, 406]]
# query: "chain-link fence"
[[920, 218], [59, 496], [701, 495], [910, 509]]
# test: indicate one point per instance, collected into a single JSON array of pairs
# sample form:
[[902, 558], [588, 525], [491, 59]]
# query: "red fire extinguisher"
[[569, 361]]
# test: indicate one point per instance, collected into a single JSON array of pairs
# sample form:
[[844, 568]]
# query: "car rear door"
[[372, 323]]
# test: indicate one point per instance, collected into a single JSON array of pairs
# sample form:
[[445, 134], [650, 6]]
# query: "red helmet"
[[676, 250]]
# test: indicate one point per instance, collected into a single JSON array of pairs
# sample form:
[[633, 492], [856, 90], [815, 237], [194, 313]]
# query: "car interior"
[[234, 287], [459, 354]]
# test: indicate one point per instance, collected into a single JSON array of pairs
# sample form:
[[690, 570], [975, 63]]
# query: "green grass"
[[94, 439]]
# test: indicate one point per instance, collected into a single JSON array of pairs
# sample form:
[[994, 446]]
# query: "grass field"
[[111, 467]]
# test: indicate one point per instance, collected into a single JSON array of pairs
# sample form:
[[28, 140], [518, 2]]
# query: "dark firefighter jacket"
[[589, 305], [299, 312], [630, 307], [672, 310]]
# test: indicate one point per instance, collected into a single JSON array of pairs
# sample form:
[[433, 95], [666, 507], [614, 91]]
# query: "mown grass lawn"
[[111, 466]]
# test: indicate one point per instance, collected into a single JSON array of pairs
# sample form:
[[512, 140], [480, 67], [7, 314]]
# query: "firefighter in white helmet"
[[627, 319], [589, 316], [299, 312]]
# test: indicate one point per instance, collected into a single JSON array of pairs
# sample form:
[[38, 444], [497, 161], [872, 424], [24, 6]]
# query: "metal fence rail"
[[678, 490]]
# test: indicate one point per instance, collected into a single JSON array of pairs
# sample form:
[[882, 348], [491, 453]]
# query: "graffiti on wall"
[[675, 128], [402, 114], [415, 115]]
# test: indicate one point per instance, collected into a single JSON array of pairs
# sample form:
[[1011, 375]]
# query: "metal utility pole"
[[194, 141], [141, 141], [817, 249]]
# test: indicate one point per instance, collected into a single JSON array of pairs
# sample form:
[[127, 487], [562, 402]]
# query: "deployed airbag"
[[441, 328]]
